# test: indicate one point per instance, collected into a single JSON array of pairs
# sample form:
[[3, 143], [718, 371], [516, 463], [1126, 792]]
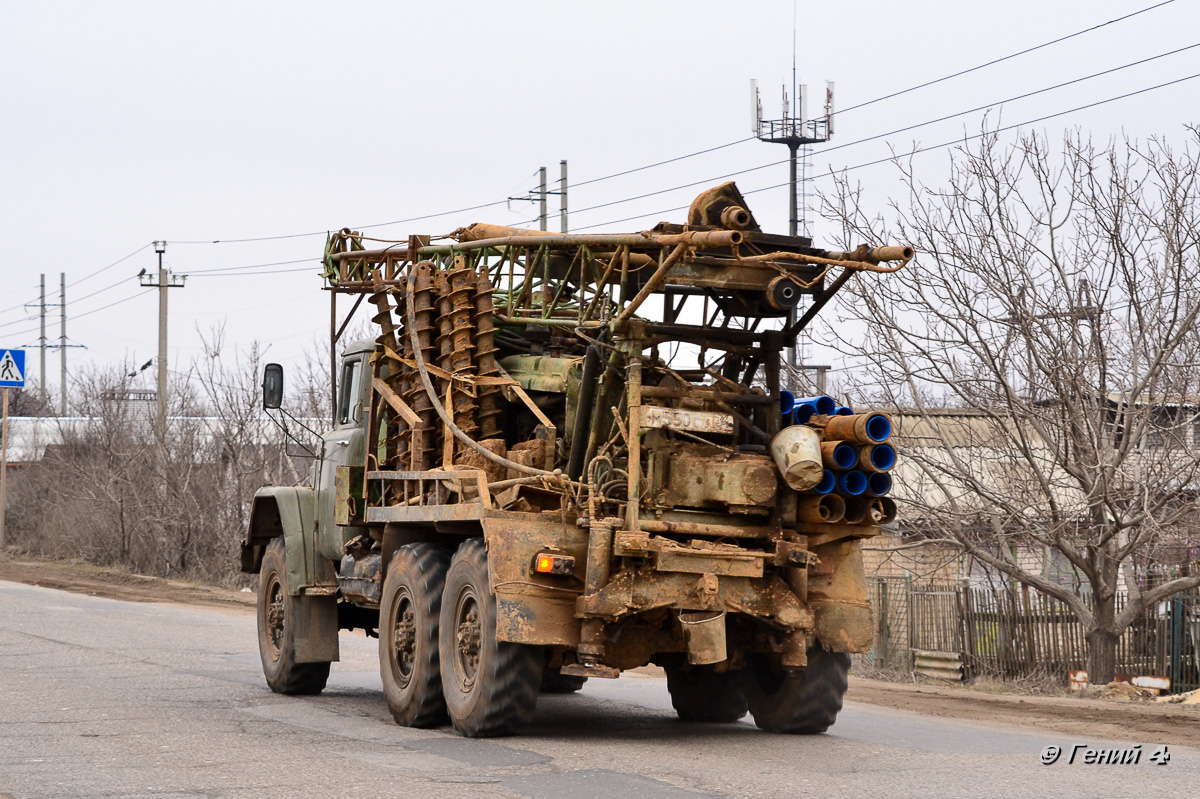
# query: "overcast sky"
[[126, 122]]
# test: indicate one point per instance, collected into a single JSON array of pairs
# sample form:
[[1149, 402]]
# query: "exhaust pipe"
[[797, 453], [823, 509], [861, 428]]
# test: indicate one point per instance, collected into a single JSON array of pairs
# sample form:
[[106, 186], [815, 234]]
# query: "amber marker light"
[[550, 563]]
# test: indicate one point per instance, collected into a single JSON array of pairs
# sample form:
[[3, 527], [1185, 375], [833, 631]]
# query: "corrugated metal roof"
[[943, 428]]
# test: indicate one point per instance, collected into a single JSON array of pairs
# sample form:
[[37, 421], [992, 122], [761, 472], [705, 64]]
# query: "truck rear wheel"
[[699, 693], [408, 635], [277, 630], [802, 703], [491, 687]]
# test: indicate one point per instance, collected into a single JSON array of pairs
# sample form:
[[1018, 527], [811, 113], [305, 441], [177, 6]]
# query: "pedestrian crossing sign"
[[12, 368]]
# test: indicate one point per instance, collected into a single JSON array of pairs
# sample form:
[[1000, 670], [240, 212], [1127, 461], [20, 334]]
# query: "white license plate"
[[695, 421]]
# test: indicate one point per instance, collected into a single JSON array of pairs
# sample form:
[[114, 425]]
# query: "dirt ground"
[[82, 578], [1082, 719]]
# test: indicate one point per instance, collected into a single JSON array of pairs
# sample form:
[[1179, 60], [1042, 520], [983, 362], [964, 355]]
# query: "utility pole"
[[165, 280], [62, 340], [562, 196], [542, 196], [3, 464], [541, 193], [796, 130], [42, 338]]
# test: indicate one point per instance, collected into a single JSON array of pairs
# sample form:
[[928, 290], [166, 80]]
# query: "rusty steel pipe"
[[372, 255], [883, 510], [861, 428], [482, 230], [693, 238], [823, 509], [697, 392], [873, 255], [857, 509]]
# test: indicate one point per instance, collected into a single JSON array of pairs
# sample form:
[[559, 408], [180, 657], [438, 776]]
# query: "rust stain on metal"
[[524, 388]]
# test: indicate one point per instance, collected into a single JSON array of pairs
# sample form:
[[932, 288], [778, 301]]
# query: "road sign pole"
[[3, 468]]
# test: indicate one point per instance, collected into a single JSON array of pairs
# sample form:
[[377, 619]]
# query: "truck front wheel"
[[699, 693], [408, 635], [277, 630], [491, 687], [797, 702]]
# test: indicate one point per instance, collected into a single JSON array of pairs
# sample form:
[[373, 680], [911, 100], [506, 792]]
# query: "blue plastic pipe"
[[823, 405], [852, 482], [787, 404], [879, 484], [828, 482], [803, 413], [883, 456]]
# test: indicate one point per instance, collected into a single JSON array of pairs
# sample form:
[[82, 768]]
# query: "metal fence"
[[1011, 633]]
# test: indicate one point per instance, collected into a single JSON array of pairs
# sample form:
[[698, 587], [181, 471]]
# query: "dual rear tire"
[[790, 702], [438, 652]]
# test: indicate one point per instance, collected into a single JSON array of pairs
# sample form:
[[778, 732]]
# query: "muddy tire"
[[408, 635], [798, 703], [699, 693], [555, 682], [277, 630], [490, 686]]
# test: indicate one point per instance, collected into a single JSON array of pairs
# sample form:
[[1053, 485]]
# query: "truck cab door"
[[341, 446]]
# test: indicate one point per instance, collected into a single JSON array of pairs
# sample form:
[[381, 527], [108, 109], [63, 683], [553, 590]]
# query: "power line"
[[460, 210], [889, 133], [262, 271], [110, 266], [660, 163], [357, 227], [198, 272], [929, 148], [80, 280], [1004, 58], [19, 304], [92, 311]]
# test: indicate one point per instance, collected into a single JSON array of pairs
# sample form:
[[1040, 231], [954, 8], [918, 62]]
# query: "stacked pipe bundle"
[[855, 460]]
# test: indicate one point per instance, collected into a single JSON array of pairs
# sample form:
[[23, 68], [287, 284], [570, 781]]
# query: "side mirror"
[[272, 386]]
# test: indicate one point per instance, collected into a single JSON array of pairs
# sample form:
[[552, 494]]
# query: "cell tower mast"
[[796, 130]]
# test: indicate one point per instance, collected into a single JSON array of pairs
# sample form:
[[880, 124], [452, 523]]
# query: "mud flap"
[[843, 621], [843, 626], [316, 636]]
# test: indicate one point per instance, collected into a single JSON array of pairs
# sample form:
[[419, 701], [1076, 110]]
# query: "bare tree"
[[1055, 295], [122, 490]]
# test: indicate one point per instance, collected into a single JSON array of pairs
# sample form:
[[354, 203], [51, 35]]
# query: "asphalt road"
[[106, 698]]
